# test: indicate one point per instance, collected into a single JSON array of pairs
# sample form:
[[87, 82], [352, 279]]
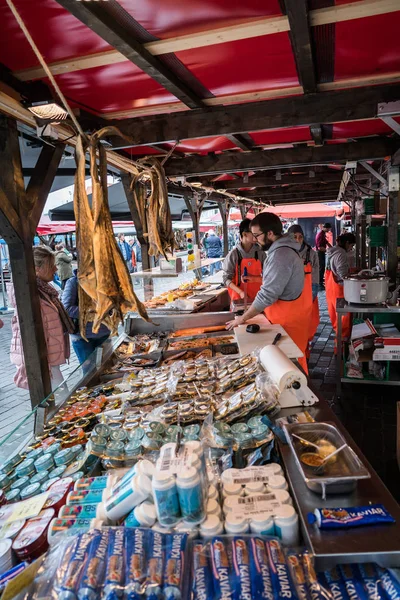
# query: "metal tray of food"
[[340, 474]]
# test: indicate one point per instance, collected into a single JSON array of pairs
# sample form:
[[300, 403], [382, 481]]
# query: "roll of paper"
[[281, 369]]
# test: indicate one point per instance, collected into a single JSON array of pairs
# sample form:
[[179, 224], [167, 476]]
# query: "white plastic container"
[[142, 467], [283, 497], [229, 502], [227, 475], [262, 524], [287, 525], [136, 491], [212, 492], [166, 498], [277, 482], [213, 508], [256, 487], [144, 515], [274, 468], [194, 461], [232, 489], [236, 525], [211, 526], [190, 494], [160, 528]]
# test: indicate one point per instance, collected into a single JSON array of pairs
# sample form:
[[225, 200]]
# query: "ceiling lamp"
[[46, 112]]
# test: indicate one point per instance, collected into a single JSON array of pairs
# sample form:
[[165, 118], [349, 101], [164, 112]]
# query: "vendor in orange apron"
[[311, 265], [283, 296], [242, 267], [338, 267]]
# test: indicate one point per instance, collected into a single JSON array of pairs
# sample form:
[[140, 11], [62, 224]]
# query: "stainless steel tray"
[[340, 476]]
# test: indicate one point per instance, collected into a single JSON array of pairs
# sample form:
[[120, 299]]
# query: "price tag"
[[262, 504], [28, 508], [251, 475], [169, 463]]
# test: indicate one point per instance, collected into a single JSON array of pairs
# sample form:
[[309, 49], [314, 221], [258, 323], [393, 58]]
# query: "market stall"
[[166, 403]]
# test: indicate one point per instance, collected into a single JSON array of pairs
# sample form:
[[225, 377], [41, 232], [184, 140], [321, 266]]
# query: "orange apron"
[[294, 314], [334, 291], [254, 268]]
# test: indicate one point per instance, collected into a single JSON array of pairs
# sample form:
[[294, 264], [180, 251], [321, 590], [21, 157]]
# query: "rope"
[[45, 67], [164, 160]]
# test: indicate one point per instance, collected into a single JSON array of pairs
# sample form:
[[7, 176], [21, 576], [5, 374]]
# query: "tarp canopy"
[[303, 211]]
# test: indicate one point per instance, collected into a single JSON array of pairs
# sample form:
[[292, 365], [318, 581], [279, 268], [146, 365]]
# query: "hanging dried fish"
[[157, 217], [105, 285]]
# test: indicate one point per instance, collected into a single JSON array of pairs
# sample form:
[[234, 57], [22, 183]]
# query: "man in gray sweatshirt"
[[281, 293]]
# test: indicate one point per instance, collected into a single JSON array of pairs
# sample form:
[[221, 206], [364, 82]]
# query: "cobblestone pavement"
[[368, 412], [15, 403]]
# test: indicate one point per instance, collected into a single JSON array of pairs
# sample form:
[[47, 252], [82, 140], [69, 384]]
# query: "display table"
[[380, 543], [247, 342], [343, 307], [157, 272]]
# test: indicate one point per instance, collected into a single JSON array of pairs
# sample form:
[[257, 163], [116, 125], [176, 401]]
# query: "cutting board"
[[248, 341]]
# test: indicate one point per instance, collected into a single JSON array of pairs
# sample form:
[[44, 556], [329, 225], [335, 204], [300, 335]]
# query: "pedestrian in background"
[[214, 249], [63, 263], [321, 244], [70, 299], [57, 324], [125, 250]]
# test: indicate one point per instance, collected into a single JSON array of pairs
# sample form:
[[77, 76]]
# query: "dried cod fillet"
[[105, 288]]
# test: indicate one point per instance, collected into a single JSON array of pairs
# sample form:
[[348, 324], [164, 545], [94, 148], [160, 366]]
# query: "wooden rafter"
[[239, 31], [95, 16], [261, 181], [242, 141], [300, 38], [312, 109], [252, 161]]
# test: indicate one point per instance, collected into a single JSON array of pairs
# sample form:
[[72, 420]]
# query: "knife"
[[245, 288]]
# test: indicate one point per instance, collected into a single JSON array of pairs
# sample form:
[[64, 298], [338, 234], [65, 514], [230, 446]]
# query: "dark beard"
[[266, 246]]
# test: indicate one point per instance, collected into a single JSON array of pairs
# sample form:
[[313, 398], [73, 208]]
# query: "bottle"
[[94, 483], [236, 525], [232, 489], [128, 497], [166, 498], [213, 508], [142, 467], [255, 487], [277, 482], [287, 525], [82, 511], [144, 515], [211, 526], [228, 475], [190, 495], [195, 447], [262, 524]]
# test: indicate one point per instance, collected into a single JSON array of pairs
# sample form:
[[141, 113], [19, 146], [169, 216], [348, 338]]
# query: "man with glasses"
[[283, 296]]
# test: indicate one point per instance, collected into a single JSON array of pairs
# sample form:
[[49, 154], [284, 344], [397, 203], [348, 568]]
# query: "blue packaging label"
[[259, 567], [298, 575], [368, 575], [202, 578], [314, 588], [354, 587], [174, 564], [79, 511], [389, 584], [131, 520], [334, 518], [191, 502], [167, 503], [221, 566], [75, 567], [241, 564], [155, 566], [336, 584], [93, 573], [281, 582], [86, 497], [136, 549], [92, 483], [114, 577]]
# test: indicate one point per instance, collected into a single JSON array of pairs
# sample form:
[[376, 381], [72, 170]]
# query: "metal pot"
[[367, 287]]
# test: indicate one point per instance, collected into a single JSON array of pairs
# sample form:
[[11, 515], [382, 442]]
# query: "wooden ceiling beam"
[[271, 181], [300, 38], [373, 149], [242, 141], [220, 35], [95, 16], [312, 109]]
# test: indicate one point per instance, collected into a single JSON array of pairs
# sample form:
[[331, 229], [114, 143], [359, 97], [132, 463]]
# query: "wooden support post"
[[243, 210], [195, 208], [139, 226], [224, 208], [393, 218], [16, 228]]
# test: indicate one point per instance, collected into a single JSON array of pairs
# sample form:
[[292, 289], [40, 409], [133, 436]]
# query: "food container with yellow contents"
[[312, 444]]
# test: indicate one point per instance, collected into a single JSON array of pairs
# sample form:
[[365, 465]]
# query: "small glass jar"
[[152, 441], [25, 468], [99, 445], [156, 427], [45, 462], [115, 449], [102, 430], [64, 457], [118, 435], [30, 490], [239, 428], [136, 434]]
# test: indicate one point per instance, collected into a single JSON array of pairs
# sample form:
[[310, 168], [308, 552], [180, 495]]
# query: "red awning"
[[303, 211]]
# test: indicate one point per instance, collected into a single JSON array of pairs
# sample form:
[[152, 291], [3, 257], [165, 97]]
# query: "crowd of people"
[[280, 273]]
